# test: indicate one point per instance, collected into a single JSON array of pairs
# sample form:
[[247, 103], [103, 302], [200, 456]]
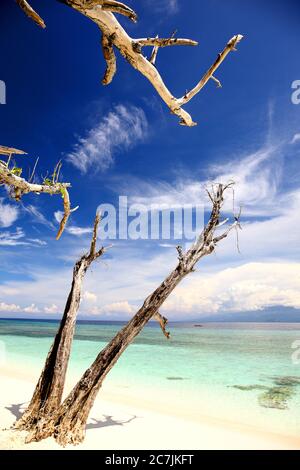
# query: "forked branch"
[[102, 12]]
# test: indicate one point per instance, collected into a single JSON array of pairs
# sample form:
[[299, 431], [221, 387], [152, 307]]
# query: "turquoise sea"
[[241, 372]]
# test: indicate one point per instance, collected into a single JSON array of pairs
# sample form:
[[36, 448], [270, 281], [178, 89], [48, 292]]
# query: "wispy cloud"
[[256, 177], [8, 238], [79, 231], [38, 216], [8, 214], [119, 130], [18, 237], [166, 6], [116, 309]]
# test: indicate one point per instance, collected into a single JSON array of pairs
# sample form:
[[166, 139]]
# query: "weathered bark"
[[48, 392], [113, 34], [68, 424], [19, 186]]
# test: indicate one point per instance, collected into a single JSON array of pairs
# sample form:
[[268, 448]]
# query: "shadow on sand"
[[108, 421], [16, 410]]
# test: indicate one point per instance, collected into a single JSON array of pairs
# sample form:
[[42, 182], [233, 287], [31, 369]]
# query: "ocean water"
[[199, 368]]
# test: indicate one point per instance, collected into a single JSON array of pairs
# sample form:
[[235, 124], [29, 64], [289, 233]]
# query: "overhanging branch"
[[113, 34], [19, 186]]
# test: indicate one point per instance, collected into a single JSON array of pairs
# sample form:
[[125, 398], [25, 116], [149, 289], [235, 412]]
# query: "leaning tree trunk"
[[49, 389], [68, 424]]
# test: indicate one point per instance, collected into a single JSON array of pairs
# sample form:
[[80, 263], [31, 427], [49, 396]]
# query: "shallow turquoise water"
[[197, 366]]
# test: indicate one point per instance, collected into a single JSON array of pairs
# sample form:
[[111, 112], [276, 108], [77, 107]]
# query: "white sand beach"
[[117, 423]]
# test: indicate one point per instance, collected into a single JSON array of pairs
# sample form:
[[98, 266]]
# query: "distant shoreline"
[[172, 322]]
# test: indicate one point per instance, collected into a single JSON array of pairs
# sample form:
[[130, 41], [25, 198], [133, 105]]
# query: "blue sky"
[[247, 131]]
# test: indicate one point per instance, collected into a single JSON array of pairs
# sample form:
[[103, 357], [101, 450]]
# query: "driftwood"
[[17, 186], [102, 12], [48, 392], [69, 422]]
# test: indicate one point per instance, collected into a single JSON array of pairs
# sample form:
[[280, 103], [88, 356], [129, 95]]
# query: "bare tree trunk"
[[49, 389], [68, 425]]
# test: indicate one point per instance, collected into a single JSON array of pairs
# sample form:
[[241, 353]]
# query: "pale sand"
[[119, 422]]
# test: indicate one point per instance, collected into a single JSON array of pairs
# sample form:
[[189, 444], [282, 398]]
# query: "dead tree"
[[69, 422], [49, 389], [102, 12], [17, 186]]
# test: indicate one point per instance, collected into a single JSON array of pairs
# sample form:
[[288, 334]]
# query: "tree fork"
[[68, 424]]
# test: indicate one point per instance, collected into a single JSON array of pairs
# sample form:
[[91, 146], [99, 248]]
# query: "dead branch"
[[163, 321], [110, 58], [19, 186], [29, 11], [49, 389], [230, 46], [114, 35], [10, 151], [164, 42]]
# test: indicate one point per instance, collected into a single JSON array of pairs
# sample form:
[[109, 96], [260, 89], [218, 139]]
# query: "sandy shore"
[[133, 424]]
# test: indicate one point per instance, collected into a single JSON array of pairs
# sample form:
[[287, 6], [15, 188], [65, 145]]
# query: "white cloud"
[[256, 177], [295, 139], [38, 216], [14, 308], [114, 309], [51, 309], [78, 231], [89, 296], [12, 238], [4, 307], [250, 287], [264, 274], [17, 238], [32, 309], [8, 214], [37, 241], [121, 129], [58, 215]]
